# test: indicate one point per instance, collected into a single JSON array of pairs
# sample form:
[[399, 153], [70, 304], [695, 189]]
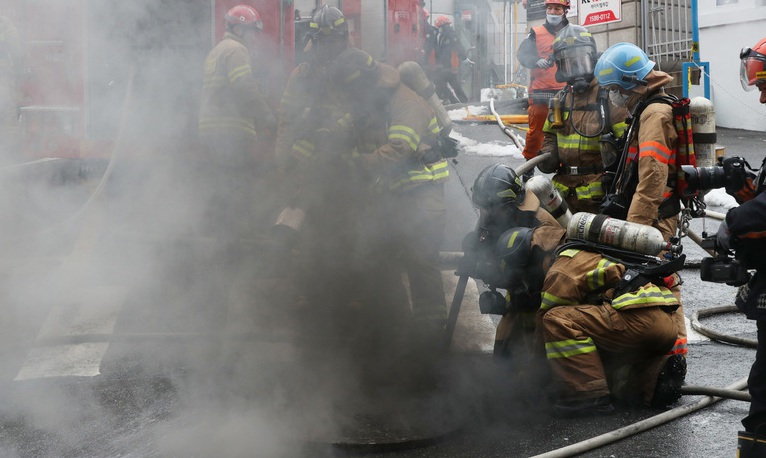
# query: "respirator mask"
[[575, 67]]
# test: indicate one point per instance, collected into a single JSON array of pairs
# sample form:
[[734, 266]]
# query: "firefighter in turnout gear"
[[511, 250], [597, 323], [536, 54], [744, 231], [302, 99], [315, 145], [580, 115], [233, 113], [395, 133], [449, 54], [645, 190]]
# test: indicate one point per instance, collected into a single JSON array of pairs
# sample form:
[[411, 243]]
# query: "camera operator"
[[744, 231]]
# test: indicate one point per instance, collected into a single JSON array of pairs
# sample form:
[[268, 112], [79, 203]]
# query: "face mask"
[[618, 98], [554, 19]]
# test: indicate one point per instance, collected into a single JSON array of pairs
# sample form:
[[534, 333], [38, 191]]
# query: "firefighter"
[[302, 98], [647, 187], [427, 53], [314, 148], [10, 94], [233, 113], [536, 54], [743, 230], [581, 114], [449, 54], [511, 250], [591, 320], [395, 130]]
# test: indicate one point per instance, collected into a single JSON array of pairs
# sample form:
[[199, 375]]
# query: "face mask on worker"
[[618, 98], [554, 19]]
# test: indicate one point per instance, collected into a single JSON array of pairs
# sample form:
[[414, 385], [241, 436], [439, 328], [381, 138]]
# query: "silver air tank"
[[617, 233], [415, 78], [550, 198], [703, 126]]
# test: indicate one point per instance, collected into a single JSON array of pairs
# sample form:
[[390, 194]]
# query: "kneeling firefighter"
[[608, 321], [511, 250], [579, 116]]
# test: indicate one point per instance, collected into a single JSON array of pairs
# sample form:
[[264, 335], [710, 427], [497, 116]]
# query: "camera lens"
[[703, 178]]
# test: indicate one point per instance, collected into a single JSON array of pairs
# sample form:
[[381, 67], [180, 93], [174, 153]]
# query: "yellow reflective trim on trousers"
[[647, 295], [568, 348], [404, 133], [239, 72], [596, 278], [593, 190], [549, 301]]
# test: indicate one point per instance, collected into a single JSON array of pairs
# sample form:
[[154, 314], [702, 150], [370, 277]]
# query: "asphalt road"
[[104, 353]]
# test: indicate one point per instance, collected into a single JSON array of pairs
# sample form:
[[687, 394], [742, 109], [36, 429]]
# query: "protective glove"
[[722, 237], [543, 63]]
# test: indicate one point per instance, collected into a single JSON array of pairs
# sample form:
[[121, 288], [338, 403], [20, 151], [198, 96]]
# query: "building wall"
[[726, 26]]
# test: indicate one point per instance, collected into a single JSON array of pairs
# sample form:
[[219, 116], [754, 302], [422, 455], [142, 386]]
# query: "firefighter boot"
[[669, 382], [751, 445], [585, 407]]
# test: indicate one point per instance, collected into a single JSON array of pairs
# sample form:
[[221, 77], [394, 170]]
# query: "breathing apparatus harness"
[[622, 177], [640, 269]]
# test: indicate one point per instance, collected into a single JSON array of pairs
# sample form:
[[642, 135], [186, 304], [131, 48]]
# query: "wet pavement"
[[177, 369]]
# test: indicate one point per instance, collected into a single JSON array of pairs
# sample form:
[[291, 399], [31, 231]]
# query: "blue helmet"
[[624, 64]]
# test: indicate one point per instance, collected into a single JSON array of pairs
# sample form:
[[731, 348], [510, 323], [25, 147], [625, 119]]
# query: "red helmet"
[[564, 3], [442, 20], [753, 65], [243, 15]]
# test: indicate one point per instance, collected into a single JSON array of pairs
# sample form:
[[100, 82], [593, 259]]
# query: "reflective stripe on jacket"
[[581, 277], [575, 150], [231, 101]]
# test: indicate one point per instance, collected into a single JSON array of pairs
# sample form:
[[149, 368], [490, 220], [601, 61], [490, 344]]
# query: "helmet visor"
[[576, 63], [751, 69]]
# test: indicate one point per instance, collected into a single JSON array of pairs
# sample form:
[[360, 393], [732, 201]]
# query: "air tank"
[[617, 233], [702, 113], [550, 198], [415, 78]]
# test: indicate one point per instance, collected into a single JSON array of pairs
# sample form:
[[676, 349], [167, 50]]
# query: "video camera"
[[723, 267], [731, 173]]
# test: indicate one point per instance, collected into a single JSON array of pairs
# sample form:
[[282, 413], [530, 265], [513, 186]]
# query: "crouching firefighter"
[[608, 321], [511, 249]]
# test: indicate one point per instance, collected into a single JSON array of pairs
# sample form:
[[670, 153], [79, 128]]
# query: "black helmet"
[[497, 185], [328, 21], [514, 247], [575, 53], [354, 69]]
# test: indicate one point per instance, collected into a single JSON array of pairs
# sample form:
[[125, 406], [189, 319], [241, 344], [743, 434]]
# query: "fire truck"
[[94, 70]]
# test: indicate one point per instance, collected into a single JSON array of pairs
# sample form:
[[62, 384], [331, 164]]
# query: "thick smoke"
[[214, 349]]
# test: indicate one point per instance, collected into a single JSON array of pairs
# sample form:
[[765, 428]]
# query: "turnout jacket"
[[576, 159], [580, 277], [747, 229], [655, 149], [232, 103], [393, 142]]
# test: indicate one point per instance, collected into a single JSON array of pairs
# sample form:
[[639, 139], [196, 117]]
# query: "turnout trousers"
[[580, 339]]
